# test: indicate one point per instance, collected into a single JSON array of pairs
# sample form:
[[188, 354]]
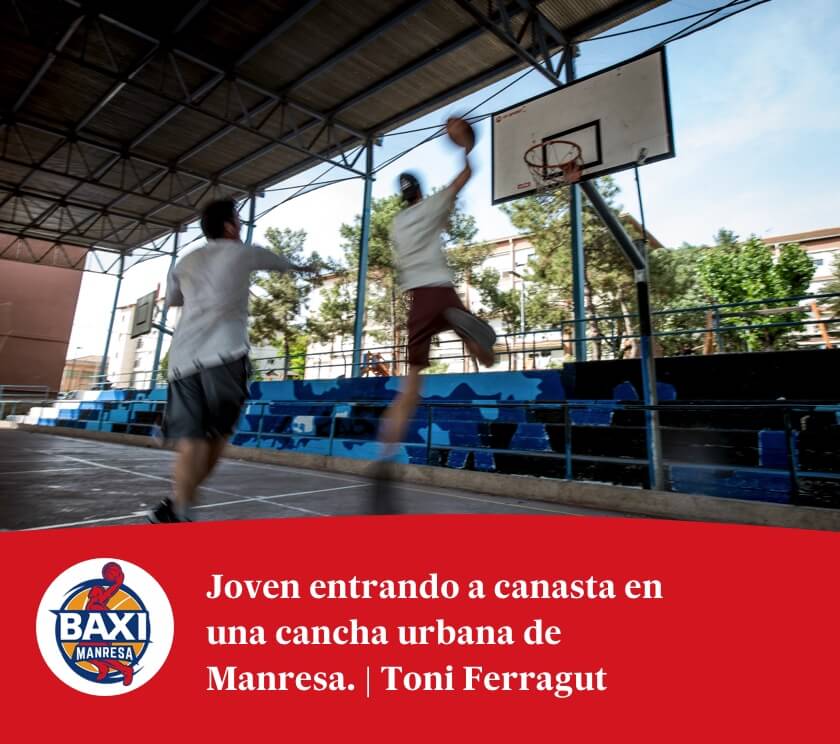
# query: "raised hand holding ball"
[[460, 132]]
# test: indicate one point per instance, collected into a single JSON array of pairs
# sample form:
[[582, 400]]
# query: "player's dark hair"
[[409, 187], [215, 215]]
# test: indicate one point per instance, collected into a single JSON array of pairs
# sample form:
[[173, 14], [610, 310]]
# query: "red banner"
[[451, 628]]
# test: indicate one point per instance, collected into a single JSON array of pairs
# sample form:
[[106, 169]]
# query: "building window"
[[818, 261]]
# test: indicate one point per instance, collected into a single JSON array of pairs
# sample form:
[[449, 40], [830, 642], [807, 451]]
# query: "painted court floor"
[[52, 481]]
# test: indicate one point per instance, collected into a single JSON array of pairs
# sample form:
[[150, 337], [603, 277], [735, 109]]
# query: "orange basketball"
[[460, 132]]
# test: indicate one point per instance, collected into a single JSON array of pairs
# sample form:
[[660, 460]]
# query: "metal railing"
[[543, 348], [570, 436], [36, 392]]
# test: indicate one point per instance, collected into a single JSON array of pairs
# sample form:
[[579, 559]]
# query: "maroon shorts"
[[426, 319]]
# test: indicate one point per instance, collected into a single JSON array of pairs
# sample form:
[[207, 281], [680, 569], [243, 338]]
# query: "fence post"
[[332, 432], [567, 441], [791, 456], [718, 334], [428, 433], [260, 424]]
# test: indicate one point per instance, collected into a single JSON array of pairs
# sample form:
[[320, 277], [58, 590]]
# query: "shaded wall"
[[804, 374], [37, 305]]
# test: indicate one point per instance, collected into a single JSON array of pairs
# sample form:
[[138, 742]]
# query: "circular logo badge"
[[105, 626]]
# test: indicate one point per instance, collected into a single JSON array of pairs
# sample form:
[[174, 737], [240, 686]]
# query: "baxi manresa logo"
[[105, 626]]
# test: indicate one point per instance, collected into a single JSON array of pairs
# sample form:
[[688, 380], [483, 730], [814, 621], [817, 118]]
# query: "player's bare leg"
[[191, 467], [393, 426], [394, 422], [217, 447]]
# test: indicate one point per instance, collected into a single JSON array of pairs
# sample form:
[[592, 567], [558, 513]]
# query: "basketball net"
[[554, 164]]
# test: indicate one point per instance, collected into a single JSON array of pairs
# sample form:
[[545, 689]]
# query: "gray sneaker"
[[475, 332]]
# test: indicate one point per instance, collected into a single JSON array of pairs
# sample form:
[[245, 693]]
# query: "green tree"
[[163, 367], [336, 312], [281, 297], [832, 305], [609, 283], [736, 271]]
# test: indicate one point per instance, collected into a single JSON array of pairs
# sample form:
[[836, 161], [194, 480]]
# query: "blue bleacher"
[[468, 432]]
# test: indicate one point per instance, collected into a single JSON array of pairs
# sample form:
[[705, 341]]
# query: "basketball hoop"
[[554, 163]]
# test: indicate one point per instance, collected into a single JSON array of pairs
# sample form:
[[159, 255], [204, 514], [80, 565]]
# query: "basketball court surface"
[[48, 482]]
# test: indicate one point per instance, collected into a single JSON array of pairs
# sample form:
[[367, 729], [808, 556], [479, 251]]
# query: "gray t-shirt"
[[416, 233], [212, 285]]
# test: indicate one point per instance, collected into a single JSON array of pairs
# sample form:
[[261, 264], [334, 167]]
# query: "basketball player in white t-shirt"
[[424, 275]]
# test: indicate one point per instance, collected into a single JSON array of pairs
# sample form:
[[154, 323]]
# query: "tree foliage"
[[279, 299], [736, 271], [609, 283], [833, 287]]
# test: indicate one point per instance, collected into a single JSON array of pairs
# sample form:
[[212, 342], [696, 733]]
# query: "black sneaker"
[[163, 513], [382, 493], [474, 330]]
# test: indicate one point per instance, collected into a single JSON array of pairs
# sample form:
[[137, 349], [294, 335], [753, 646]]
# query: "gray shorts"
[[207, 404]]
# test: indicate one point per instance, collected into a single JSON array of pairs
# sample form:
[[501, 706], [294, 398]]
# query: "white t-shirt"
[[212, 285], [416, 233]]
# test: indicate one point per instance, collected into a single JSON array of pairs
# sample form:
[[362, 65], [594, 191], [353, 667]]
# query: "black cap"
[[409, 187]]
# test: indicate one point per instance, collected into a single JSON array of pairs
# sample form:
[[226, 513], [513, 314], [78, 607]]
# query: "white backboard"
[[613, 115], [144, 312]]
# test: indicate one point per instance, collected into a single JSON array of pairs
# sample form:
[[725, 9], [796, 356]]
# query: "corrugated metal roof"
[[119, 122]]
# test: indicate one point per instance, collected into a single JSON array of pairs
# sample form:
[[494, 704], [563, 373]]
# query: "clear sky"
[[756, 115]]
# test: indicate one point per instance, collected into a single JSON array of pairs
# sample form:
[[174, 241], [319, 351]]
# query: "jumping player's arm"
[[462, 178], [174, 297]]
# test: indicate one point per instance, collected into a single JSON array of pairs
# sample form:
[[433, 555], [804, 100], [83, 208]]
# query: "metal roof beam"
[[441, 98], [90, 181], [452, 45], [47, 63], [84, 64], [116, 149], [221, 73], [64, 136], [605, 18], [502, 29], [438, 99], [398, 16], [138, 67], [87, 206]]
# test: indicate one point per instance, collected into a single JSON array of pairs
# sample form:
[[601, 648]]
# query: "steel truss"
[[79, 161]]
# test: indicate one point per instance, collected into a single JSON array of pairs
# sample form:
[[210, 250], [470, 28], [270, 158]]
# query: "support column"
[[653, 436], [103, 367], [252, 218], [578, 258], [361, 284], [638, 259], [162, 324]]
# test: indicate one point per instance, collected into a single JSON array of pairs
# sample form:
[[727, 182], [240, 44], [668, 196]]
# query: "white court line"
[[316, 474], [313, 473], [283, 495], [228, 461], [204, 488], [82, 522], [239, 500], [47, 470], [489, 501]]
